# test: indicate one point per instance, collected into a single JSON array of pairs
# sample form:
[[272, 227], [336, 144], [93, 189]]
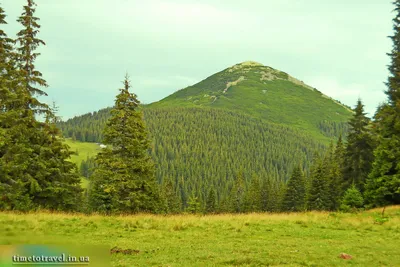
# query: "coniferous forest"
[[248, 139]]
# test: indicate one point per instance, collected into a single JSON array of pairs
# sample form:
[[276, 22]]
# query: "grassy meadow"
[[298, 239], [82, 150]]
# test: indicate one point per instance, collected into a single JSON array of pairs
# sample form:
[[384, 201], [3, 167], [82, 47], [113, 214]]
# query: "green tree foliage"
[[318, 196], [211, 201], [252, 198], [334, 175], [171, 200], [359, 150], [214, 143], [124, 180], [383, 185], [194, 205], [28, 43], [87, 167], [238, 193], [352, 199], [295, 194], [34, 171]]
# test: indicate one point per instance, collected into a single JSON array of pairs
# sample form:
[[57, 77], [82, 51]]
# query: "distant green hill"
[[248, 117], [265, 93]]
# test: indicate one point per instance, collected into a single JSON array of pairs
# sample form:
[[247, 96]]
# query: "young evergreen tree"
[[194, 205], [170, 198], [295, 194], [352, 199], [211, 201], [124, 180], [252, 198], [318, 198], [333, 176], [237, 194], [383, 184], [359, 150]]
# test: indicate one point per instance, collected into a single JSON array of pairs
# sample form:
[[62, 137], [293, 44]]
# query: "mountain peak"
[[250, 63]]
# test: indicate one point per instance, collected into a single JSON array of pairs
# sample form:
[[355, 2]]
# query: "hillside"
[[219, 128], [216, 144], [265, 93]]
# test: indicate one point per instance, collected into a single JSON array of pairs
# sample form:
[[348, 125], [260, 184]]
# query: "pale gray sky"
[[339, 46]]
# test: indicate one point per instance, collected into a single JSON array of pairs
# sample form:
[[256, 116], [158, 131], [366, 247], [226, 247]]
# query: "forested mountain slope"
[[266, 93], [199, 147], [203, 135]]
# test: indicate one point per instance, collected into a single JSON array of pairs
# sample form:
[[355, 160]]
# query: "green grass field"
[[83, 150], [304, 239]]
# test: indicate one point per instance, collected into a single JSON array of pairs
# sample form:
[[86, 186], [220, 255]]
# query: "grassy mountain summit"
[[266, 93]]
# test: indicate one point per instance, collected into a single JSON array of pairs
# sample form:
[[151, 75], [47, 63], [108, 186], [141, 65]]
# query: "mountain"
[[265, 93], [248, 118]]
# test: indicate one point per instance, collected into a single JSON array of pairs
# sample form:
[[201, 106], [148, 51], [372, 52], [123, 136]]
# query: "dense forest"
[[216, 144], [202, 155]]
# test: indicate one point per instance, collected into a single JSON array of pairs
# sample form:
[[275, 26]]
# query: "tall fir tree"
[[295, 195], [383, 184], [124, 180], [28, 43], [359, 149], [317, 197], [33, 161], [334, 175]]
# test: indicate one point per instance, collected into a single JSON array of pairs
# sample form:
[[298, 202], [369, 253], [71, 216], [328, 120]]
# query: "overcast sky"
[[338, 46]]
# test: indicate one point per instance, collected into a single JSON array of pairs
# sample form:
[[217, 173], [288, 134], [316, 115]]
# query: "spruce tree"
[[34, 172], [383, 184], [124, 180], [211, 201], [28, 43], [294, 199], [252, 199], [359, 150], [318, 197], [6, 53], [352, 199], [171, 200], [237, 193], [194, 205]]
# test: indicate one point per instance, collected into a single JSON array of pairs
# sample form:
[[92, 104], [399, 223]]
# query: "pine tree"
[[34, 166], [252, 198], [6, 52], [211, 201], [383, 184], [28, 43], [295, 194], [352, 199], [359, 149], [124, 181], [339, 159], [194, 205], [318, 198], [172, 202], [237, 193]]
